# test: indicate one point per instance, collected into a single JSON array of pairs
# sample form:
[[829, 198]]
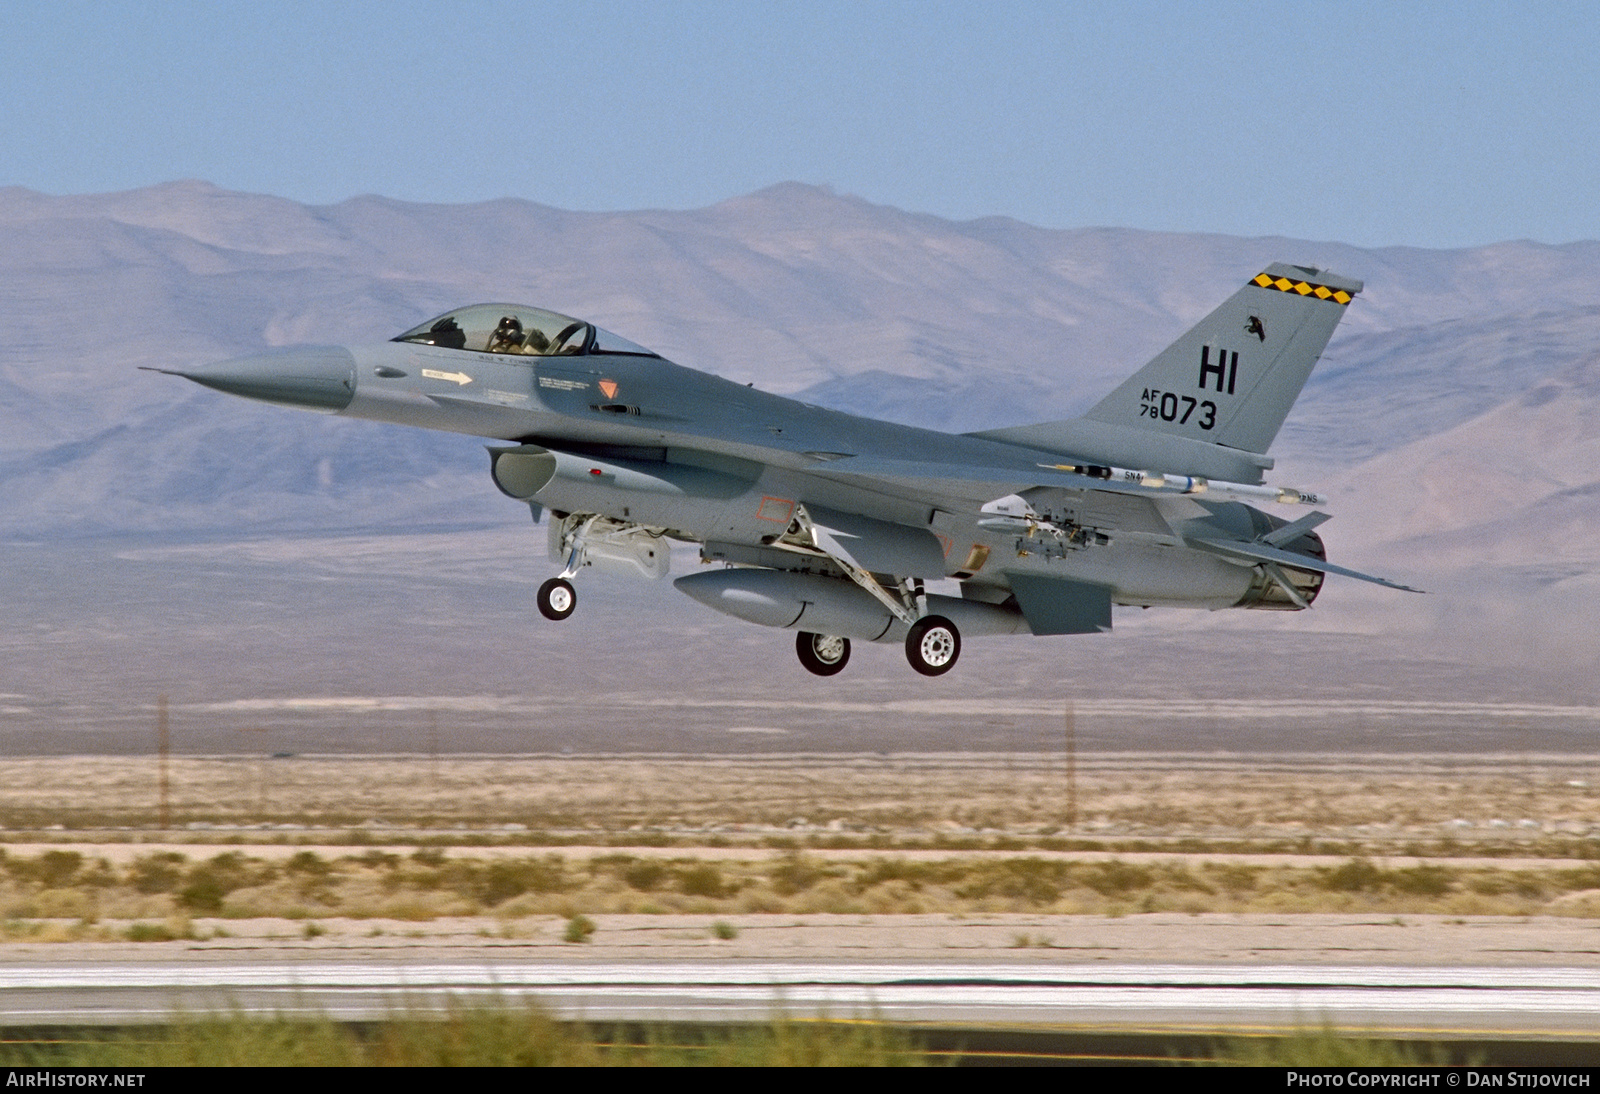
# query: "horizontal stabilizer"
[[1260, 552], [1292, 531]]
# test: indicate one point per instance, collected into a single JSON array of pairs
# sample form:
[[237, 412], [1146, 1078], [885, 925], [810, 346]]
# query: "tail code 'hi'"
[[1231, 379]]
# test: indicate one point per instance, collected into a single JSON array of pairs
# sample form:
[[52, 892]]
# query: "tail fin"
[[1232, 379]]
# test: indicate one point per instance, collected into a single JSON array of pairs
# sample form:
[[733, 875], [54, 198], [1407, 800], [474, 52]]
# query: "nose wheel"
[[557, 598], [822, 654], [932, 645]]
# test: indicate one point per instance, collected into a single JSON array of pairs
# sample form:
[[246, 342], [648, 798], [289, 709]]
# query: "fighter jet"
[[833, 525]]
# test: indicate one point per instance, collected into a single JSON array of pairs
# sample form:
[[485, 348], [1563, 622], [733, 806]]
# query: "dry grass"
[[1549, 804], [482, 1036], [952, 834], [50, 897]]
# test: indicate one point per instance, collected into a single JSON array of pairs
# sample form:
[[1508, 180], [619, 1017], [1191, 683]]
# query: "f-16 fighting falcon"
[[832, 525]]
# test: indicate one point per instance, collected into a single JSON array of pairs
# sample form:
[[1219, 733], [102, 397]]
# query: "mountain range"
[[1454, 420]]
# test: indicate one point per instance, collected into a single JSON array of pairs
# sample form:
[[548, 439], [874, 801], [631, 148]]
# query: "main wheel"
[[823, 654], [932, 645], [557, 598]]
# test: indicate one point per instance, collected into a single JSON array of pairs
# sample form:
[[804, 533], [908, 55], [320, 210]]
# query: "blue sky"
[[1426, 124]]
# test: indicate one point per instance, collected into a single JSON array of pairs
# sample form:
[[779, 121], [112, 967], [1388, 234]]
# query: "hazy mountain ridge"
[[168, 539], [867, 308]]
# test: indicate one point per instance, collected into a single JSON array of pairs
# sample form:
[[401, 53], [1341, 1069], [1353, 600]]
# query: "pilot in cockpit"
[[507, 337]]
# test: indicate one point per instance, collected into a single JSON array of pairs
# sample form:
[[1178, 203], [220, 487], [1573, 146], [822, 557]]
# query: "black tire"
[[557, 599], [822, 654], [932, 645]]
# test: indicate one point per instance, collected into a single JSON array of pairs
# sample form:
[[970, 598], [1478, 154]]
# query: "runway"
[[1487, 1002]]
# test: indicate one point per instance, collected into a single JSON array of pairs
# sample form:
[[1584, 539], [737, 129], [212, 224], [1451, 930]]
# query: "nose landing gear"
[[557, 598]]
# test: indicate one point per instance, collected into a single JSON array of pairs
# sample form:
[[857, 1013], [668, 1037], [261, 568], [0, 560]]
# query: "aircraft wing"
[[1260, 552]]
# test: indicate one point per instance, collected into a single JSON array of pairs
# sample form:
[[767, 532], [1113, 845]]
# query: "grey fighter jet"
[[832, 525]]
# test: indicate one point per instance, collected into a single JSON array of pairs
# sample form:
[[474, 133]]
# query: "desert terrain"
[[373, 737], [1045, 855]]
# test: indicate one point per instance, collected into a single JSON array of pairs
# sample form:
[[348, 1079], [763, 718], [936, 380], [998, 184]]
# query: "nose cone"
[[314, 377]]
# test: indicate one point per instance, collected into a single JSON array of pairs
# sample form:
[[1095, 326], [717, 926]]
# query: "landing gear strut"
[[822, 654], [557, 598], [932, 645]]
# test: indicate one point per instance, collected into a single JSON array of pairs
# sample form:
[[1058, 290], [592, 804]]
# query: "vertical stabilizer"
[[1232, 379]]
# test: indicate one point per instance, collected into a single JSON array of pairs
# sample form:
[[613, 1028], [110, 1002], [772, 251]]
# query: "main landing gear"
[[932, 646], [822, 654], [557, 598]]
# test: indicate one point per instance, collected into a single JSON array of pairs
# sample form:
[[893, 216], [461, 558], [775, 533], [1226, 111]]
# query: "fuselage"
[[643, 440], [831, 524]]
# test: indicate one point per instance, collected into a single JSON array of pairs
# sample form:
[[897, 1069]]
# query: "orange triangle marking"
[[609, 387]]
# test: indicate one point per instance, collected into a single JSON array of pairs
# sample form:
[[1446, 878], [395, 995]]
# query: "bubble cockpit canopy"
[[516, 329]]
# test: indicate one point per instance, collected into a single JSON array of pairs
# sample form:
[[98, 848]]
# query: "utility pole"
[[260, 775], [164, 748], [433, 746], [1072, 767]]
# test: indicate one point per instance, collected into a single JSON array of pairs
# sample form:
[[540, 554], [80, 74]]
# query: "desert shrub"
[[1577, 880], [914, 874], [1032, 880], [500, 881], [703, 879], [56, 868], [309, 864], [53, 869], [313, 875], [414, 879], [1356, 876], [98, 875], [204, 893], [1421, 880], [209, 883], [438, 872], [579, 929], [1526, 885], [796, 874], [157, 873], [645, 876], [151, 932], [1180, 877], [1232, 877], [1115, 878]]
